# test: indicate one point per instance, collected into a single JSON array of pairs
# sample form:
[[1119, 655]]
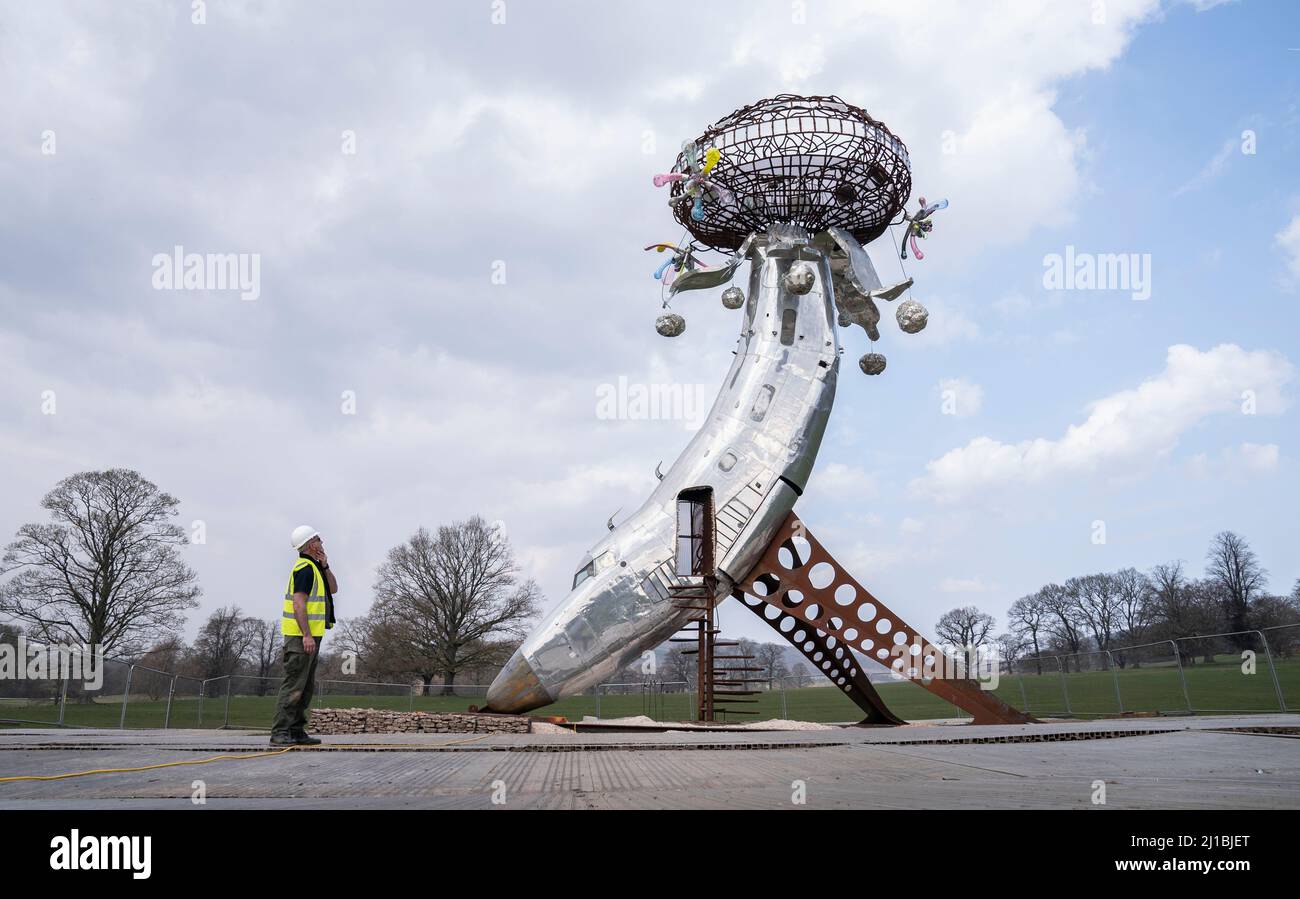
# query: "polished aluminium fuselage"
[[755, 450]]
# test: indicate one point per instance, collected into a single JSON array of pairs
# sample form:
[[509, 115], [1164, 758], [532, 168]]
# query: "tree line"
[[451, 604], [106, 569], [1118, 610]]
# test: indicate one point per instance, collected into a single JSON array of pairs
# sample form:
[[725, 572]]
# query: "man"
[[308, 612]]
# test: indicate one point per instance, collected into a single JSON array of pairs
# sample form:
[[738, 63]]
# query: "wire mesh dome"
[[813, 161]]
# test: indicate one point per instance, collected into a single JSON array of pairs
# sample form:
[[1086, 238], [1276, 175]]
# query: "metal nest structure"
[[818, 162]]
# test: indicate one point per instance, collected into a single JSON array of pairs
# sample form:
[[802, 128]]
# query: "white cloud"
[[471, 150], [837, 482], [947, 324], [960, 397], [976, 114], [1288, 239], [1012, 304], [1211, 170], [1248, 458], [1124, 429], [911, 526], [1257, 457]]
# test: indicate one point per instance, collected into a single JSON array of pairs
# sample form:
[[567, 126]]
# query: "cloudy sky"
[[448, 204]]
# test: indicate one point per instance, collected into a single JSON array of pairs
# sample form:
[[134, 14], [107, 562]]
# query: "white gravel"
[[644, 721], [784, 724]]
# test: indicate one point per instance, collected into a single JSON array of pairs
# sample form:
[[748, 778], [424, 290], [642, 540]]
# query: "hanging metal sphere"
[[872, 363], [800, 278], [912, 316], [670, 324], [733, 298]]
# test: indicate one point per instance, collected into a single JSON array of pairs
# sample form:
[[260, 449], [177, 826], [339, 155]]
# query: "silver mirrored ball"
[[670, 324], [872, 363], [912, 316], [800, 278]]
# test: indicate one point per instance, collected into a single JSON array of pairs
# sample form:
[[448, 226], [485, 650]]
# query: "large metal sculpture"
[[794, 186]]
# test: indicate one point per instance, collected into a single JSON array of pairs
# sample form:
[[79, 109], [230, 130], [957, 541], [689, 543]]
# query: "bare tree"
[[1134, 595], [1096, 596], [1232, 567], [771, 658], [1028, 619], [106, 570], [450, 592], [966, 628], [963, 627], [681, 667], [263, 650], [382, 641], [1012, 646], [224, 642], [1278, 612], [1064, 621], [1183, 608], [153, 676]]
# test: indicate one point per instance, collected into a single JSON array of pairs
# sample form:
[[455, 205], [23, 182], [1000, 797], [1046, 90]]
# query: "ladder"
[[718, 688]]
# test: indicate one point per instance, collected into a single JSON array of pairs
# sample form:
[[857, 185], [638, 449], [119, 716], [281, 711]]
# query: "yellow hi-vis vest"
[[315, 604]]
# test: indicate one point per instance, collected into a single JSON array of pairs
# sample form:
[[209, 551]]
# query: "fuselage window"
[[600, 563], [764, 399]]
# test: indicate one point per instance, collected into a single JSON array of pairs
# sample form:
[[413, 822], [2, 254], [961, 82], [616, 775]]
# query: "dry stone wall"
[[379, 721]]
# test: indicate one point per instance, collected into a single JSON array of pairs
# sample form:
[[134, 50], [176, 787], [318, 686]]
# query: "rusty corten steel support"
[[829, 659], [842, 608]]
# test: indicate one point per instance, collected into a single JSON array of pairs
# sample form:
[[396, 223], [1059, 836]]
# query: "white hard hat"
[[301, 534]]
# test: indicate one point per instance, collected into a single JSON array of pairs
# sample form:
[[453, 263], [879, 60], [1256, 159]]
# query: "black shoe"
[[283, 740], [304, 740]]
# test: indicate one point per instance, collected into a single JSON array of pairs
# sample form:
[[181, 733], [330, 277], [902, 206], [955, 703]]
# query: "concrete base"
[[1201, 762]]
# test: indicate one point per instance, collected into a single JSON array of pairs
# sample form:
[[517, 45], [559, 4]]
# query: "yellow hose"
[[215, 758]]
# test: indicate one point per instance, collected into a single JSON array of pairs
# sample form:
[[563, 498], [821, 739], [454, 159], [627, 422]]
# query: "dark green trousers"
[[296, 689]]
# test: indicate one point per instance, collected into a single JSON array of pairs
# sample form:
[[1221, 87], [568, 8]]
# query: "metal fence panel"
[[1230, 672], [1039, 686], [1246, 671]]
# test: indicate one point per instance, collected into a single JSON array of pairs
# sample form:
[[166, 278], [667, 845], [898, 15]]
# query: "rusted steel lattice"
[[813, 161], [797, 585], [818, 647]]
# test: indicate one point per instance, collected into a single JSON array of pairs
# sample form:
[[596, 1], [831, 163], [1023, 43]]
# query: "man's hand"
[[309, 644]]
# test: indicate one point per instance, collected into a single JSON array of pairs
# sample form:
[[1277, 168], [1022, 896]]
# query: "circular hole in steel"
[[822, 575]]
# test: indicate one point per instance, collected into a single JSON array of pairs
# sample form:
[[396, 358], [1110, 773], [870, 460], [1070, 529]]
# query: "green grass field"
[[1217, 687]]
